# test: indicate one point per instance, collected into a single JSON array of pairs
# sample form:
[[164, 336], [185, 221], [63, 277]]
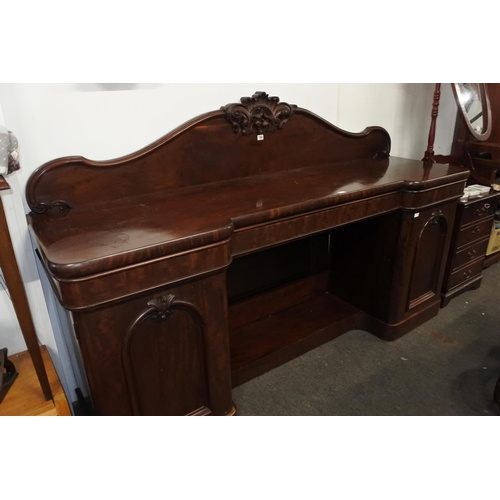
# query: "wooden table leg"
[[8, 264]]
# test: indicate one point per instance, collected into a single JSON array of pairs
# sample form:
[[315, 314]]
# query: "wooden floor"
[[25, 397]]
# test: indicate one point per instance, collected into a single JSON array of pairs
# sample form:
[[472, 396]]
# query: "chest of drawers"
[[471, 233]]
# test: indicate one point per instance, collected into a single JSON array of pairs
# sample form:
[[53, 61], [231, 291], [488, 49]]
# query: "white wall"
[[53, 120], [104, 121], [10, 333], [404, 109]]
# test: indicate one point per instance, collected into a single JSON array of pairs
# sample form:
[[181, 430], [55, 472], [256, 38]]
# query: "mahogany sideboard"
[[238, 241]]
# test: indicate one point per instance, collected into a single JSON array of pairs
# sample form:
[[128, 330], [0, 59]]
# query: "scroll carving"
[[382, 154], [43, 208], [435, 217], [258, 114], [162, 306]]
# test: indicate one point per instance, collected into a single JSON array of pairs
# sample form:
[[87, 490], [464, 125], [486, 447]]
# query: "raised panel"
[[164, 359], [140, 363], [428, 257]]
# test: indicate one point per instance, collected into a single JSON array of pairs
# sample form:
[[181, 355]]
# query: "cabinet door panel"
[[432, 239], [164, 353]]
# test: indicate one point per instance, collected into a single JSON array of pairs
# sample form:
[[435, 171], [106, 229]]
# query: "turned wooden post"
[[8, 264], [429, 153]]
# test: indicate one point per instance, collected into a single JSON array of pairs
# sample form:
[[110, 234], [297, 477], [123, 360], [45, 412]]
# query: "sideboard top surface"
[[205, 180]]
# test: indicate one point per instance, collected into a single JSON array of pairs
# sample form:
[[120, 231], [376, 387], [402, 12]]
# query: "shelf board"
[[280, 337]]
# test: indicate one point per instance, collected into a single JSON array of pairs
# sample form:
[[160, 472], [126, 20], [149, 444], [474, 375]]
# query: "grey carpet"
[[448, 366]]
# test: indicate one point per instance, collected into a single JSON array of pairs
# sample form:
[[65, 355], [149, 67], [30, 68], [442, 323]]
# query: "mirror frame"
[[462, 157], [485, 102]]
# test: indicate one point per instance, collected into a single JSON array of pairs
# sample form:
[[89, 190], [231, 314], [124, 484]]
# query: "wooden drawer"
[[465, 273], [474, 232], [470, 253], [478, 211]]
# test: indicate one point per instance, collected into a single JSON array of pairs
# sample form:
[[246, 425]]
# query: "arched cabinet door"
[[431, 232], [165, 353], [164, 359]]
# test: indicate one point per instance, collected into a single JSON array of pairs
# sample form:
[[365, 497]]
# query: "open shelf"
[[284, 335], [287, 300], [280, 306]]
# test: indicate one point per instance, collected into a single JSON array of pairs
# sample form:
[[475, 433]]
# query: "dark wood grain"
[[468, 246], [474, 232], [143, 228], [280, 337], [276, 299], [168, 362], [95, 290], [365, 252], [429, 152], [277, 243], [277, 265], [220, 155], [179, 336], [428, 261], [468, 254]]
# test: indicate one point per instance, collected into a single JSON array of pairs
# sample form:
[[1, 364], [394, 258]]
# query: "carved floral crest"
[[162, 305], [258, 114]]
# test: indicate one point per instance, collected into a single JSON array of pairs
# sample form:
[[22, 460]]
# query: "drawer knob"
[[483, 209], [468, 273], [476, 230], [471, 254]]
